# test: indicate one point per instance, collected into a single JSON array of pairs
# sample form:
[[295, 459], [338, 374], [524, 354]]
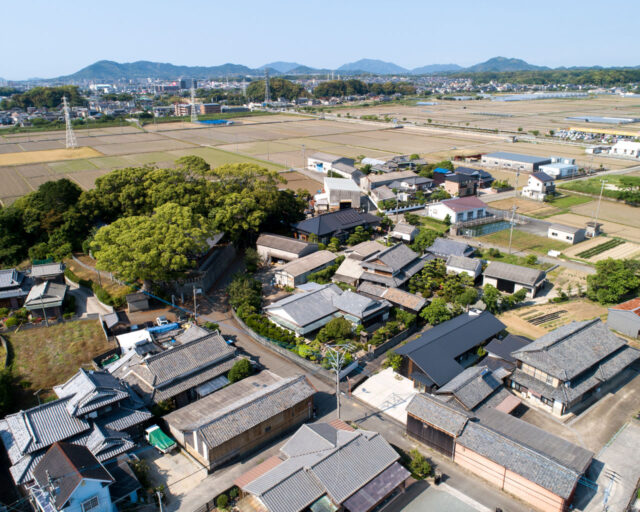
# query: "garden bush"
[[12, 321], [222, 501]]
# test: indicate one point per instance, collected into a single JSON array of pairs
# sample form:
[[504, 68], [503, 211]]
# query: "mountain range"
[[106, 70]]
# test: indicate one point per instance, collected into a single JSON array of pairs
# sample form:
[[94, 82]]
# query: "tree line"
[[353, 87], [49, 97], [597, 77]]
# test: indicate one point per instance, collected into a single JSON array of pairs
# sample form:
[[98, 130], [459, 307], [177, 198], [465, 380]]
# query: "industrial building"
[[560, 167], [272, 247], [510, 278], [338, 194], [514, 161], [626, 148], [324, 162]]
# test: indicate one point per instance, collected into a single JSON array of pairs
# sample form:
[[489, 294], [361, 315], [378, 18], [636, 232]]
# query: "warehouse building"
[[272, 247], [625, 318], [511, 278], [514, 161], [295, 272], [560, 167], [339, 194]]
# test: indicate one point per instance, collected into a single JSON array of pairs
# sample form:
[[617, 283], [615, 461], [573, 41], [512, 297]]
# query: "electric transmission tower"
[[71, 137], [194, 113], [267, 94]]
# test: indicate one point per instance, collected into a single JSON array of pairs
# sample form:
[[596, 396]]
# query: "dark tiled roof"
[[571, 349], [435, 351], [542, 176], [68, 464], [471, 172], [504, 347], [444, 248], [437, 413], [464, 263], [472, 386], [91, 390], [329, 223]]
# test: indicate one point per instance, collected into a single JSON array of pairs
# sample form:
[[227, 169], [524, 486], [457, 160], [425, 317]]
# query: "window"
[[549, 380], [267, 428], [90, 504], [547, 401]]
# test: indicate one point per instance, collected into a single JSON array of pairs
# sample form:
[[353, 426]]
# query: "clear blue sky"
[[48, 38]]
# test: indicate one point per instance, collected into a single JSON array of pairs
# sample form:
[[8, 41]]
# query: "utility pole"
[[44, 311], [159, 494], [195, 306], [595, 220], [194, 113], [513, 213], [267, 92], [336, 356], [304, 160], [71, 141]]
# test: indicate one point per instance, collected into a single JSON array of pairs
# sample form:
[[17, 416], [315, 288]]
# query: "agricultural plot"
[[87, 179], [71, 166], [605, 246], [32, 157], [297, 181], [614, 212], [609, 228], [42, 145], [34, 170]]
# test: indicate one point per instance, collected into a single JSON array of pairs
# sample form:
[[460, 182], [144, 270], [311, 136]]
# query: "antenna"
[[267, 94], [194, 113], [71, 137]]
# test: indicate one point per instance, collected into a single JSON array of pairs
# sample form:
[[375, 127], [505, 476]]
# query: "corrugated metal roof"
[[307, 263], [284, 243], [517, 157]]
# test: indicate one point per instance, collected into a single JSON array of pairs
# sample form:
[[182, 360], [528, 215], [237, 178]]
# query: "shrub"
[[67, 315], [12, 321], [419, 465], [393, 360], [69, 274], [532, 259], [240, 370], [252, 260], [212, 326], [222, 501], [4, 312], [233, 493]]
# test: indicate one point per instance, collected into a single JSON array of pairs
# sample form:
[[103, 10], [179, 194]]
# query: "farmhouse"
[[444, 248], [241, 417], [513, 161], [350, 270], [373, 181], [306, 312], [46, 298], [566, 234], [93, 409], [324, 162], [458, 209], [396, 296], [325, 467], [339, 194], [404, 232], [511, 454], [14, 288], [339, 224], [460, 185], [295, 272], [392, 267], [272, 247], [443, 352], [461, 264], [571, 366], [499, 351], [539, 186], [482, 178], [625, 318], [511, 278], [47, 272], [183, 373]]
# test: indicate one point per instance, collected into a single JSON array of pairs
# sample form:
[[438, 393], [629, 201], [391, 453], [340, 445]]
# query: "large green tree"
[[436, 312], [156, 247], [613, 280], [278, 88]]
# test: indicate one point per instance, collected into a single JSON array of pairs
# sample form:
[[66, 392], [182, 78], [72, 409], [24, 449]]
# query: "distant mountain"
[[436, 68], [282, 67], [498, 64], [109, 70], [374, 66]]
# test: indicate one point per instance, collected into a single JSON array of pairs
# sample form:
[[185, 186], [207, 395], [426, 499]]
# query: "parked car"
[[162, 320], [158, 439]]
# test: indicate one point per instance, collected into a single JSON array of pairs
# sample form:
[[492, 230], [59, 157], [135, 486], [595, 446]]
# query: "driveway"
[[87, 303], [421, 496]]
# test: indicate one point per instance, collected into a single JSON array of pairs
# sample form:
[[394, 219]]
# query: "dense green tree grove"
[[50, 97], [278, 88], [353, 87], [600, 77]]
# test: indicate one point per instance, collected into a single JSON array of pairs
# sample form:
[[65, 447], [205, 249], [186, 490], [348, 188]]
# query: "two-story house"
[[539, 186], [571, 366]]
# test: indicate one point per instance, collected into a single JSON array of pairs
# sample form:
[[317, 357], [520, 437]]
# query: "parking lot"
[[421, 497]]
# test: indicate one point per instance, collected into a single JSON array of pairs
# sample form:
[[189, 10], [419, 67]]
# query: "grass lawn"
[[428, 222], [567, 201], [217, 157], [116, 290], [43, 357], [593, 185], [524, 241]]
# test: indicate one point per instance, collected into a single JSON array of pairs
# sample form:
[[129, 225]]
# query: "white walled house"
[[539, 186], [405, 232], [626, 148], [566, 234], [324, 162], [459, 209], [560, 167]]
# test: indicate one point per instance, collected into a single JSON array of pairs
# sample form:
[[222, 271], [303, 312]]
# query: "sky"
[[44, 38]]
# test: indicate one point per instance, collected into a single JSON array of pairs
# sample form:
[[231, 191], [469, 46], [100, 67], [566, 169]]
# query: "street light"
[[337, 355]]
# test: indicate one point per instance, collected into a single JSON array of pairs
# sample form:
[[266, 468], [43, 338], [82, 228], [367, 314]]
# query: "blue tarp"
[[441, 170], [164, 328]]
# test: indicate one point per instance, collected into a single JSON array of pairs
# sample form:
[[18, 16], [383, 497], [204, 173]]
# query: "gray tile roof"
[[464, 263], [363, 250], [393, 259], [516, 457], [308, 307], [242, 415], [48, 293], [47, 270], [377, 489], [184, 360], [405, 229], [443, 248], [434, 352], [90, 390], [542, 176], [515, 273], [359, 305], [307, 263], [472, 386], [441, 415], [194, 332], [341, 220], [319, 462], [571, 349], [123, 418], [503, 348], [399, 277], [284, 243], [106, 444], [393, 295]]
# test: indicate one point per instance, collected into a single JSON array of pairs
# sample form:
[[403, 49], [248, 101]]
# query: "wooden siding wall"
[[252, 438], [432, 437], [510, 482]]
